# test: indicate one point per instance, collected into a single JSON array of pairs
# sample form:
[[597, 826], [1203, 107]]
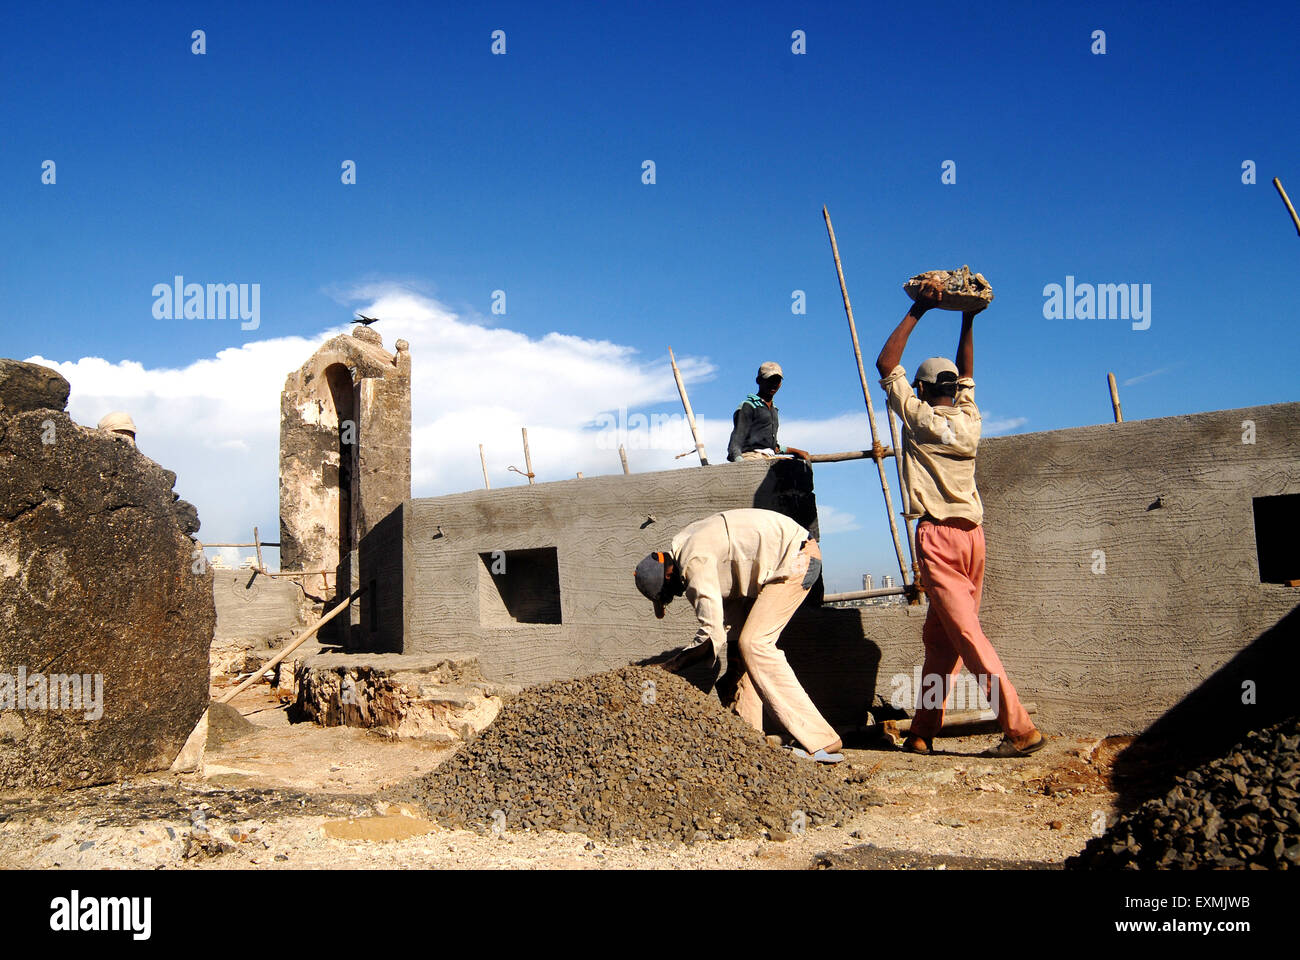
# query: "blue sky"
[[523, 172]]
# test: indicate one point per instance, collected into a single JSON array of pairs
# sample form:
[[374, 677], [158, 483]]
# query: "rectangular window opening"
[[517, 587], [1275, 520]]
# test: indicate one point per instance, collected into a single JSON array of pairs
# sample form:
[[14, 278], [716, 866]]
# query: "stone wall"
[[565, 604], [104, 623], [253, 607]]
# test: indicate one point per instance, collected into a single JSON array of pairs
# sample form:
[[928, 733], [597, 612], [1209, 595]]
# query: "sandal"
[[821, 756], [1008, 749]]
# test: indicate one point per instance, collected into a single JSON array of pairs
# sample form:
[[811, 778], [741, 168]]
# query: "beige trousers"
[[766, 677]]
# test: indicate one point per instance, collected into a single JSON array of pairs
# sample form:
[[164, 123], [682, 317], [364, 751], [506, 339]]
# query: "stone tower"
[[345, 452]]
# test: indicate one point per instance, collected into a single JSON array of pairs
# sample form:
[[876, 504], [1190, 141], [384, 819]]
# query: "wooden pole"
[[622, 455], [1287, 200], [848, 455], [487, 484], [877, 449], [257, 542], [903, 494], [686, 403], [1114, 398], [528, 457], [290, 648], [966, 718], [265, 543]]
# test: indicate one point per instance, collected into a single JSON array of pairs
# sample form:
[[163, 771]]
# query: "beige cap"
[[929, 371], [770, 369], [119, 421]]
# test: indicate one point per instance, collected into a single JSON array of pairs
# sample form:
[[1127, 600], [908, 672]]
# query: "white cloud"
[[832, 520]]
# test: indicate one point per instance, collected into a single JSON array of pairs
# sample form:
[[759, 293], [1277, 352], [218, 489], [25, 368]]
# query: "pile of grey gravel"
[[1238, 811], [631, 753]]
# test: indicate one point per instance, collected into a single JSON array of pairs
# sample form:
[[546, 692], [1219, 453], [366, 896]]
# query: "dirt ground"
[[302, 796]]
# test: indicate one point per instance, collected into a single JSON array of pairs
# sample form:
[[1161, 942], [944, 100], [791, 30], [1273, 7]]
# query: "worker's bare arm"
[[966, 345], [891, 354]]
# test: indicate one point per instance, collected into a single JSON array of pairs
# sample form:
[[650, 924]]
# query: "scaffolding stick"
[[686, 403], [877, 449], [528, 457]]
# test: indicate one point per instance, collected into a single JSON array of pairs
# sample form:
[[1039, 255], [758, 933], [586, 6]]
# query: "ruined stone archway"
[[345, 452]]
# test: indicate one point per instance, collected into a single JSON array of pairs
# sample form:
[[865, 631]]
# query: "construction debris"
[[962, 290], [1238, 811], [631, 753]]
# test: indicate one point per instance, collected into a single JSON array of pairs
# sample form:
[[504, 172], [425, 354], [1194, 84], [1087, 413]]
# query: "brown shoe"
[[1008, 749], [917, 745]]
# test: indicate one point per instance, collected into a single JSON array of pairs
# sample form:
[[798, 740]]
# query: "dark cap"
[[652, 578]]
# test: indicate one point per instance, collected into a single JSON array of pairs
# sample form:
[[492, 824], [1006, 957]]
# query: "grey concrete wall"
[[1100, 653], [1180, 595], [431, 551], [254, 607]]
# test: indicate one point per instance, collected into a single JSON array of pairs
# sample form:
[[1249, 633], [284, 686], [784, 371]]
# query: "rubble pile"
[[1238, 811], [962, 290], [632, 753]]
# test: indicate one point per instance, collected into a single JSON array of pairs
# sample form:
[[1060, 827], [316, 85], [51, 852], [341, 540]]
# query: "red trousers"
[[951, 555]]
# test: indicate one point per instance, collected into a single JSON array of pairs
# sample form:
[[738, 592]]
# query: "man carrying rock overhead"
[[769, 563], [756, 420], [942, 431]]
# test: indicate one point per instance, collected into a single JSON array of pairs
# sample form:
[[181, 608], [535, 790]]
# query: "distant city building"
[[886, 582], [866, 581]]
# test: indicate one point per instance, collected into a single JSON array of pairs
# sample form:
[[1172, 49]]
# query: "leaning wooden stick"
[[294, 645], [903, 494], [871, 411], [487, 484], [1114, 398], [528, 457], [257, 542], [686, 403], [622, 455], [1287, 200]]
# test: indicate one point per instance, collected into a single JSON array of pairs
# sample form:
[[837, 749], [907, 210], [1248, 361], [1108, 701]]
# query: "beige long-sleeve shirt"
[[730, 556], [939, 444]]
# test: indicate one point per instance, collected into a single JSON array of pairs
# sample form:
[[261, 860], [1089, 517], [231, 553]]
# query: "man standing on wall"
[[755, 422], [746, 555], [942, 431]]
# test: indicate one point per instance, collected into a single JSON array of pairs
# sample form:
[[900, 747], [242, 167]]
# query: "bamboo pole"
[[966, 718], [622, 455], [290, 648], [686, 403], [487, 484], [1287, 200], [877, 449], [905, 497], [848, 455], [265, 543], [1114, 398], [528, 457]]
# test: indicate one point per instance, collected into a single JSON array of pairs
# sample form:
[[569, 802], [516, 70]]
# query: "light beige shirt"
[[730, 556], [939, 449]]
